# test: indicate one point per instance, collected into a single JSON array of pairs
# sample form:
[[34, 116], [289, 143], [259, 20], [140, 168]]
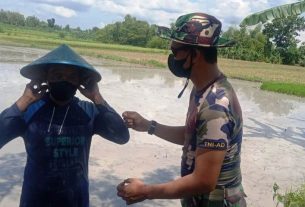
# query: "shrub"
[[62, 35], [290, 199], [157, 42]]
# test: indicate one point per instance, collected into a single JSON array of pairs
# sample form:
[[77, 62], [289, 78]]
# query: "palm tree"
[[275, 12]]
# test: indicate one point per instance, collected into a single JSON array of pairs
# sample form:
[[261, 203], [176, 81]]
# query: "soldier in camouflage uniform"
[[212, 135]]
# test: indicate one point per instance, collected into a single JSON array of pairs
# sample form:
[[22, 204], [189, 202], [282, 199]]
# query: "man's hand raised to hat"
[[92, 93], [32, 92]]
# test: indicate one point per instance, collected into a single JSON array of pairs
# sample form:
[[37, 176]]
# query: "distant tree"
[[283, 32], [57, 27], [129, 32], [157, 42], [302, 54], [109, 34], [43, 24], [15, 18], [249, 44], [95, 29], [134, 32], [67, 27], [32, 21], [3, 16], [172, 25], [51, 22]]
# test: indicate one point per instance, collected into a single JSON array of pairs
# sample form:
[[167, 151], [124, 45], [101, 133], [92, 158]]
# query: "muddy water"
[[154, 92]]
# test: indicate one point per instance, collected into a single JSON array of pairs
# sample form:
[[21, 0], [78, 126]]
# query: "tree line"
[[34, 23], [274, 42]]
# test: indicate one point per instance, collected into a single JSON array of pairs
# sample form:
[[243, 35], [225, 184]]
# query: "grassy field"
[[278, 78], [291, 88]]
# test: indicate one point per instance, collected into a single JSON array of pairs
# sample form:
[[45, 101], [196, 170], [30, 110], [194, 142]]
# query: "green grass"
[[149, 63], [45, 39], [287, 88], [156, 64], [292, 198], [47, 42]]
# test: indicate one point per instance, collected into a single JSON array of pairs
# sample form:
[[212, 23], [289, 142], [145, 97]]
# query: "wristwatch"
[[152, 127]]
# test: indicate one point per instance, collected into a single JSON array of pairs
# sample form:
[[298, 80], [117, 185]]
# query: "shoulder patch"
[[215, 144]]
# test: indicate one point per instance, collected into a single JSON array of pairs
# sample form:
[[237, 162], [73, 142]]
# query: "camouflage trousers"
[[229, 197]]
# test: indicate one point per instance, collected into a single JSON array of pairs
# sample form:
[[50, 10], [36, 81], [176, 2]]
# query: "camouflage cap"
[[197, 29]]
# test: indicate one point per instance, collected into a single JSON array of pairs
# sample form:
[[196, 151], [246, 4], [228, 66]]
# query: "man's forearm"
[[110, 125], [98, 99], [23, 103], [201, 181], [174, 134], [180, 188]]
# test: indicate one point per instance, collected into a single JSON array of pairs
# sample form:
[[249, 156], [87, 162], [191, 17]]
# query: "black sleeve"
[[110, 125], [12, 124]]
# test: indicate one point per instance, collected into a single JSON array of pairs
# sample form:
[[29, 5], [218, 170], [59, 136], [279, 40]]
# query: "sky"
[[87, 14]]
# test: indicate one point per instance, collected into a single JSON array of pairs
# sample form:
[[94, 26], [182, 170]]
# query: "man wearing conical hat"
[[57, 128], [212, 134]]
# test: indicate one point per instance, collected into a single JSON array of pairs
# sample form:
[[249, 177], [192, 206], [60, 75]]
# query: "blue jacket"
[[57, 141]]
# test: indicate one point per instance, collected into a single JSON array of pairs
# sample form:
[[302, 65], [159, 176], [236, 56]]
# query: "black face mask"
[[62, 90], [176, 67]]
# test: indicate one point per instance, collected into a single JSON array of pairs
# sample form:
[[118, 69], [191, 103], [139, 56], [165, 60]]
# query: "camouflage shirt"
[[214, 121]]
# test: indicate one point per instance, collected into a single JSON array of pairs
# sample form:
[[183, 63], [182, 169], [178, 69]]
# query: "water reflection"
[[130, 74], [267, 102], [267, 115], [20, 54], [259, 101]]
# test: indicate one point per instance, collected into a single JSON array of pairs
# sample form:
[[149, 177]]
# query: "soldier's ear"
[[196, 53]]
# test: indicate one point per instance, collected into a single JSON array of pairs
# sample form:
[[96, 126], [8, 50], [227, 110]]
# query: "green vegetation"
[[153, 52], [287, 88], [290, 199], [276, 42], [283, 32], [27, 36]]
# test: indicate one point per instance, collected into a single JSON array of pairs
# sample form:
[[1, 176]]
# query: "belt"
[[226, 193]]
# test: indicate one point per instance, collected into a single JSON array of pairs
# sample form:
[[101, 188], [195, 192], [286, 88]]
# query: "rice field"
[[283, 78]]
